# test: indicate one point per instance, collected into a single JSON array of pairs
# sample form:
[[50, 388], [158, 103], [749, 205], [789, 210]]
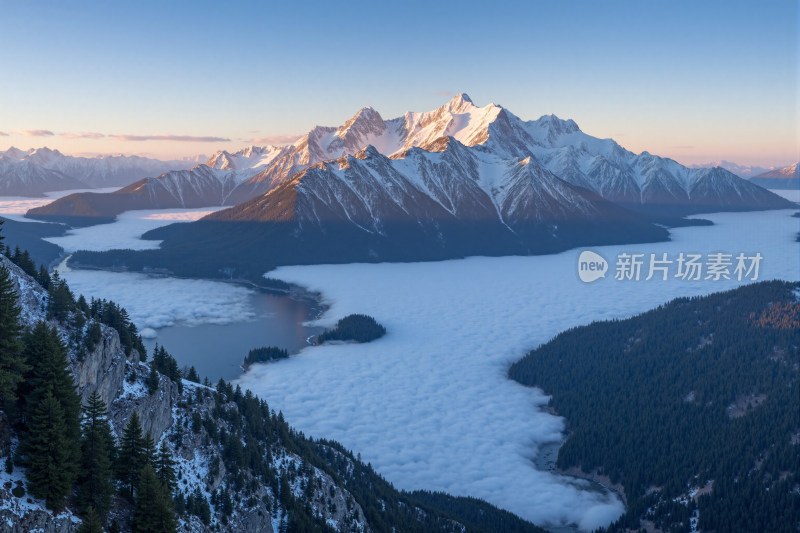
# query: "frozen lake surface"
[[430, 404]]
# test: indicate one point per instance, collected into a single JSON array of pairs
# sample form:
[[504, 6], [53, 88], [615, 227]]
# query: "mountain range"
[[639, 181], [36, 171]]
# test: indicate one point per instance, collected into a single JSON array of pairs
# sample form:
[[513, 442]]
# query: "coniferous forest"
[[263, 355], [355, 327], [698, 393]]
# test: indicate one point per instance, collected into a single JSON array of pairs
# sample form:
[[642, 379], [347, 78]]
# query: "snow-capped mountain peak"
[[460, 103], [252, 157], [14, 153]]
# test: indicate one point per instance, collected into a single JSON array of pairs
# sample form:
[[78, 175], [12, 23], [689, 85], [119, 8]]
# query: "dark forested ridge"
[[700, 392], [29, 237], [355, 327], [249, 248]]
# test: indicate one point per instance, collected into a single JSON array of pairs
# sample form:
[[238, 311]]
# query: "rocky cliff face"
[[24, 518], [154, 410], [103, 370]]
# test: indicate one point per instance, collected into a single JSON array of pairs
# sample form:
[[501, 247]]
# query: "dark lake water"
[[217, 351]]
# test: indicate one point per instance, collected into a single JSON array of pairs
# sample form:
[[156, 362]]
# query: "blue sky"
[[697, 81]]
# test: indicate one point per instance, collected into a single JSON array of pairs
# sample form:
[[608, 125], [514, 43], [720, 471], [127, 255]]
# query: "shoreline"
[[594, 477], [545, 461]]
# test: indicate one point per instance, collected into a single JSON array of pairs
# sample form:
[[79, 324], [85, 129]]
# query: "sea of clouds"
[[152, 301], [156, 302], [430, 404]]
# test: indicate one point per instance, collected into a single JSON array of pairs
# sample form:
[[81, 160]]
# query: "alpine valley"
[[457, 181]]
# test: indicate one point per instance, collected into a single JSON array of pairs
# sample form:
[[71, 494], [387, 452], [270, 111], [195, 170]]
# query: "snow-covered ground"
[[127, 230], [430, 404]]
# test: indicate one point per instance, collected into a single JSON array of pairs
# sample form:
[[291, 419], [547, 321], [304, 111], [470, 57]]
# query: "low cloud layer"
[[169, 138], [157, 302], [153, 302], [430, 404]]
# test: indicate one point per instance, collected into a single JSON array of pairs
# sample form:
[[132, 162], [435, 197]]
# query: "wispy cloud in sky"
[[175, 138], [83, 135], [442, 93], [35, 133], [275, 139]]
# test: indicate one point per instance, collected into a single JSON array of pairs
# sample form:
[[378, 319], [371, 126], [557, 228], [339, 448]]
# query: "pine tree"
[[151, 382], [92, 523], [44, 277], [48, 451], [46, 357], [95, 478], [48, 383], [154, 511], [12, 363], [192, 375], [131, 455], [165, 468], [149, 450], [60, 299]]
